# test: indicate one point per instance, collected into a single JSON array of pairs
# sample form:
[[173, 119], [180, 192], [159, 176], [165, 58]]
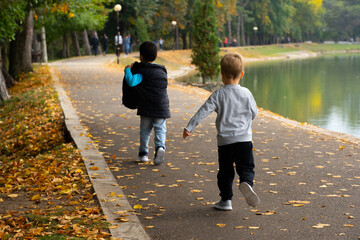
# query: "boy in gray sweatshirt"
[[236, 108]]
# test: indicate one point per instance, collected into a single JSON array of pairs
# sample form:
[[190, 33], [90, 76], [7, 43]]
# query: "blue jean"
[[241, 154], [146, 126]]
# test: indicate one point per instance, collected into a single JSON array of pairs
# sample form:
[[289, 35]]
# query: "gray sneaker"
[[159, 156], [251, 197], [223, 205], [144, 158]]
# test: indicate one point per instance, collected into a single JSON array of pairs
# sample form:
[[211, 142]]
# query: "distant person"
[[234, 43], [236, 108], [145, 88], [127, 44], [118, 43], [225, 41], [94, 43], [161, 42], [105, 43]]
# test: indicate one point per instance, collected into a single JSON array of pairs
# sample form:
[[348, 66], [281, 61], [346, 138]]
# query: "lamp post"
[[255, 29], [173, 23], [117, 9]]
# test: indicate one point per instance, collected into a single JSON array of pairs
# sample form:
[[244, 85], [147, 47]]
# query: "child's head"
[[148, 51], [232, 66]]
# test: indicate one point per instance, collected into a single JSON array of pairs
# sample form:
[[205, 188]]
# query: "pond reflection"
[[323, 91]]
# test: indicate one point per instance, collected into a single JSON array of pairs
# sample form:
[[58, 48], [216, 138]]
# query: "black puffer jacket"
[[152, 97]]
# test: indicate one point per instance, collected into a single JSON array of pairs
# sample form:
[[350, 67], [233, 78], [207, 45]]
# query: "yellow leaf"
[[254, 227], [221, 225], [138, 206], [113, 226], [36, 197], [122, 219], [196, 191], [94, 168], [239, 227], [13, 195]]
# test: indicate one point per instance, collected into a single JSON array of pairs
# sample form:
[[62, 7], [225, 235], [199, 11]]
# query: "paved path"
[[308, 182]]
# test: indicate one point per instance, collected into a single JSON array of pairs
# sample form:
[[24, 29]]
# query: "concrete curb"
[[111, 198]]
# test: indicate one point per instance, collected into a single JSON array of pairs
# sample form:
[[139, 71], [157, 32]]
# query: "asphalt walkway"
[[308, 182]]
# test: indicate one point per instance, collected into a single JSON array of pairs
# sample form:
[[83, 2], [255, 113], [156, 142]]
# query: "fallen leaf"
[[196, 191], [13, 195], [35, 197], [239, 227]]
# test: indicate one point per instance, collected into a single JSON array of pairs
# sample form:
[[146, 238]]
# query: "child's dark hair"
[[148, 51]]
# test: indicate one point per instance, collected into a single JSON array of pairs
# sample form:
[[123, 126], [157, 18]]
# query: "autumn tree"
[[205, 51], [342, 19], [69, 19]]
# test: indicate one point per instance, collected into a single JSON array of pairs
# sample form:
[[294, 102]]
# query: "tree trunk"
[[229, 32], [75, 43], [241, 15], [238, 29], [183, 36], [86, 46], [20, 48], [65, 50], [177, 37], [243, 29], [190, 40], [63, 53], [4, 94], [4, 54], [9, 81], [44, 54], [36, 49], [27, 67]]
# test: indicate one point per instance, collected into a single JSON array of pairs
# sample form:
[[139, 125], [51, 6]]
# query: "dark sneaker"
[[159, 156], [251, 197], [223, 205]]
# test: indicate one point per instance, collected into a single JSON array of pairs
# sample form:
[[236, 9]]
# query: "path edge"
[[108, 192]]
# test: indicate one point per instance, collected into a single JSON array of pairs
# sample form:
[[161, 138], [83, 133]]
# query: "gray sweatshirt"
[[235, 107]]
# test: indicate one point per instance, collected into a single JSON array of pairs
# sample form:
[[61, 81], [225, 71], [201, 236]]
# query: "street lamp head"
[[173, 23], [255, 28], [117, 8]]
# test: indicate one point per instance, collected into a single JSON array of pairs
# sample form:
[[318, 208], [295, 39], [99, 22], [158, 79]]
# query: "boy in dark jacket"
[[149, 81]]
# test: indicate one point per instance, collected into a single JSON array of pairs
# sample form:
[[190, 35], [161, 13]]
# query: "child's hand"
[[186, 134], [130, 66]]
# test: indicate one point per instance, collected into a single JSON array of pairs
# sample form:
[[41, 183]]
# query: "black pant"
[[118, 49], [241, 154]]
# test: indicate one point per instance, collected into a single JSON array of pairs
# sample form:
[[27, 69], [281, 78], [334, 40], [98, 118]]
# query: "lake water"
[[323, 91]]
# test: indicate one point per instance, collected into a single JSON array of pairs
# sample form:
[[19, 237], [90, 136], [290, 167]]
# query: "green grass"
[[274, 50]]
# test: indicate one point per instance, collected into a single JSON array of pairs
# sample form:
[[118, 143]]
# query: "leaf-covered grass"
[[44, 190]]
